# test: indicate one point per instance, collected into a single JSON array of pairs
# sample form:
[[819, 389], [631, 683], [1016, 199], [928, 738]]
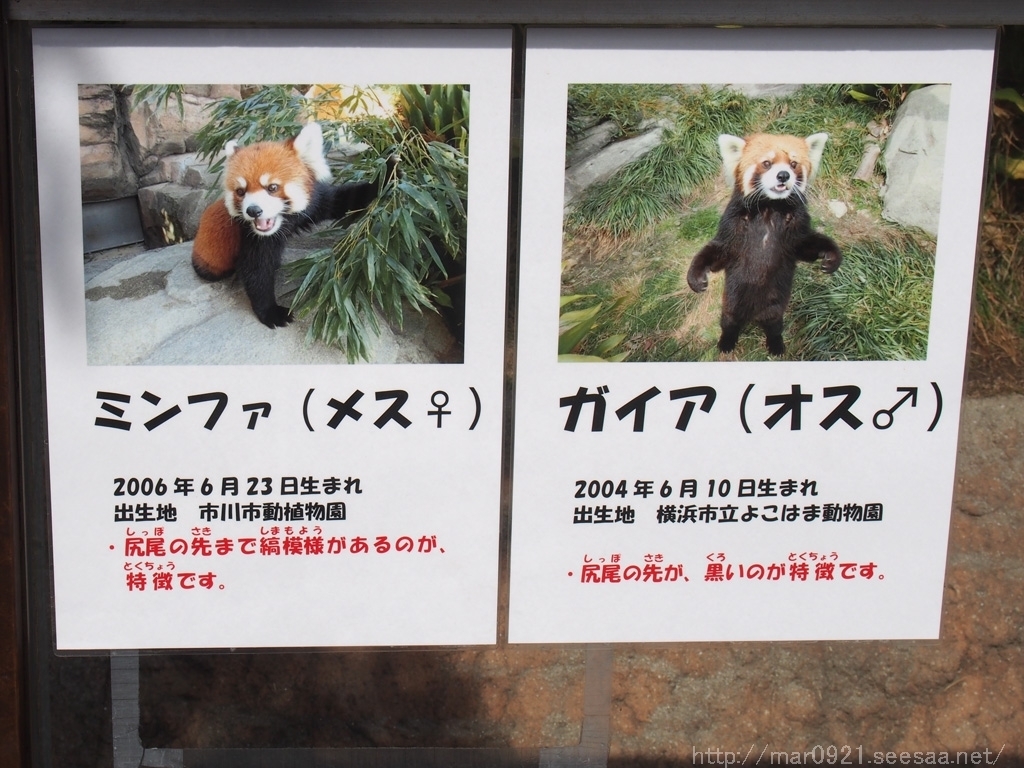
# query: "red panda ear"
[[309, 146], [816, 147], [230, 148], [731, 149]]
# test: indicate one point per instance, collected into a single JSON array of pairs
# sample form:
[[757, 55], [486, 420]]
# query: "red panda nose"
[[253, 211], [782, 176]]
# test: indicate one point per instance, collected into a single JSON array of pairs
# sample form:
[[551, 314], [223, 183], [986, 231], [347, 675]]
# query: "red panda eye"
[[766, 164], [272, 188], [793, 164], [240, 192]]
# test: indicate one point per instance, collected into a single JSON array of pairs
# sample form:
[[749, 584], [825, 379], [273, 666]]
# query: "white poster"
[[747, 263], [248, 454]]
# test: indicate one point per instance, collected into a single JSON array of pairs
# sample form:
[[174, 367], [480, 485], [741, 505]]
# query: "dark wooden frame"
[[13, 725], [25, 633], [768, 13]]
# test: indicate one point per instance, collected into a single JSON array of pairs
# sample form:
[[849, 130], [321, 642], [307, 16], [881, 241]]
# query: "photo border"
[[729, 441], [453, 602]]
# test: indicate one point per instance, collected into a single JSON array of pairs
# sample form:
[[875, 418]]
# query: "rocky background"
[[913, 151], [149, 152]]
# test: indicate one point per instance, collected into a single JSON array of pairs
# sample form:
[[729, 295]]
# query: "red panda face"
[[264, 182], [772, 166]]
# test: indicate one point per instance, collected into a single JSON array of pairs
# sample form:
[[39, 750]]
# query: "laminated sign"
[[273, 286], [747, 262]]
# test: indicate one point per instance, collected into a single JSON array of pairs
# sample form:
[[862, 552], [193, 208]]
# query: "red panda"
[[764, 231], [271, 190]]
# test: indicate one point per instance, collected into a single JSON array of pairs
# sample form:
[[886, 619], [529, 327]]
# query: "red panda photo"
[[661, 262], [271, 191], [313, 219], [764, 231]]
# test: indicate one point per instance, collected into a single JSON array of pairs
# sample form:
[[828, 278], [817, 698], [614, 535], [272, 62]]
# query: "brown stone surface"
[[963, 692]]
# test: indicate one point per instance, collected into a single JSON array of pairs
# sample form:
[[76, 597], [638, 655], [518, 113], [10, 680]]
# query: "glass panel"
[[461, 698]]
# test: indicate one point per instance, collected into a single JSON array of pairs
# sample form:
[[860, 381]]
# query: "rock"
[[121, 143], [152, 309], [179, 169], [107, 170], [172, 198], [838, 208], [170, 213], [593, 140], [96, 106], [199, 177], [866, 169], [105, 173], [914, 155], [604, 164], [167, 130]]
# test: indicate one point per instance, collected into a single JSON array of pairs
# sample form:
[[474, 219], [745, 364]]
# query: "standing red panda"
[[763, 232], [271, 190]]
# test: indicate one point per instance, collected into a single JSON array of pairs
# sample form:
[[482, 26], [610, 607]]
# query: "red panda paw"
[[697, 280], [275, 317], [830, 261]]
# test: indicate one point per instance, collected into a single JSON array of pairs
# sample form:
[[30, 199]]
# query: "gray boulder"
[[152, 309], [170, 213], [601, 165], [914, 155]]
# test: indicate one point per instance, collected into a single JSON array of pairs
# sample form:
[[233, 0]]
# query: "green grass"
[[629, 241], [700, 225], [875, 307], [627, 105], [645, 191]]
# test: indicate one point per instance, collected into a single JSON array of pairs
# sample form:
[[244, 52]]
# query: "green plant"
[[408, 248], [638, 196], [650, 188], [997, 340], [438, 112], [269, 113], [885, 97], [158, 96], [625, 104], [998, 321], [628, 242], [875, 307], [1008, 111], [575, 325], [700, 225]]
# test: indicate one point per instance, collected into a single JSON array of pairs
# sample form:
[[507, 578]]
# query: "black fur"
[[260, 255], [758, 243]]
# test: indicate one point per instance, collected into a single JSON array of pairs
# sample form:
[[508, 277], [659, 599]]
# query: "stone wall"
[[147, 151]]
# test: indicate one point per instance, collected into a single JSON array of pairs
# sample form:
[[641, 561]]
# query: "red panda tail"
[[218, 241]]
